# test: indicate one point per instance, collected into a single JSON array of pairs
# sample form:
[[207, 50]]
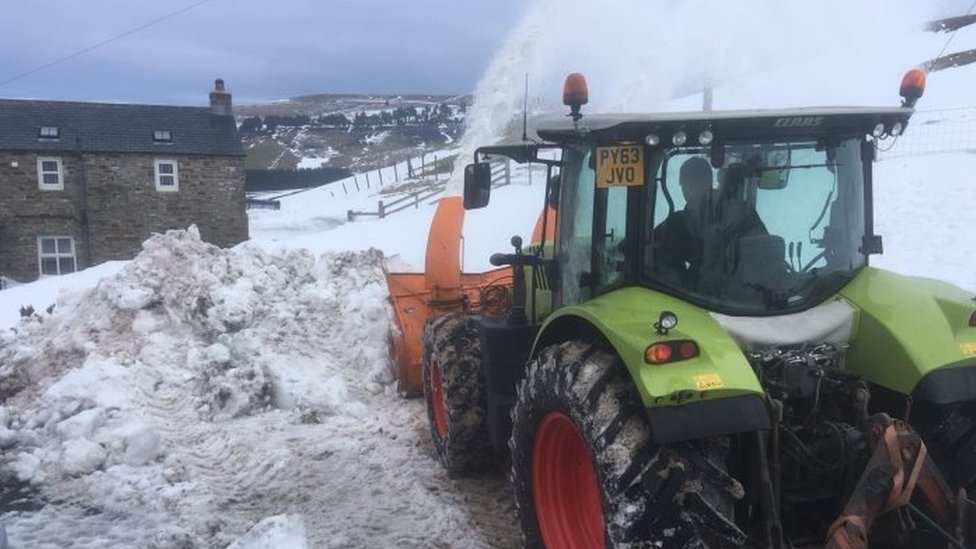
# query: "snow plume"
[[639, 54], [146, 397]]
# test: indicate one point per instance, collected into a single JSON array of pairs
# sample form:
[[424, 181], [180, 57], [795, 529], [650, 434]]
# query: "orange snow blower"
[[444, 288]]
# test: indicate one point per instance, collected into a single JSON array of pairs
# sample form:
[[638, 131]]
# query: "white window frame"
[[57, 255], [176, 175], [51, 133], [59, 186], [163, 137]]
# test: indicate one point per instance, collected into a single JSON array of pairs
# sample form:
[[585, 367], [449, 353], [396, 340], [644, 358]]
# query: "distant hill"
[[354, 132]]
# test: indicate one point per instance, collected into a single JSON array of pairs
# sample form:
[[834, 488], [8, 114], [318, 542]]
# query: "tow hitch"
[[900, 477]]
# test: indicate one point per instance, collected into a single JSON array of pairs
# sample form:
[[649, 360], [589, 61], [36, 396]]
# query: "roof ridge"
[[99, 103]]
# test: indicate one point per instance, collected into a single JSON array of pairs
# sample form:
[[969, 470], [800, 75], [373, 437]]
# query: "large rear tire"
[[587, 475], [454, 390]]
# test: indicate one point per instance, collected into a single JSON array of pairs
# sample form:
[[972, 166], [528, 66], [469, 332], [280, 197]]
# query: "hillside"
[[353, 132]]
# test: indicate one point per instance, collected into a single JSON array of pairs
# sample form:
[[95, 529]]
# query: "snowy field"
[[204, 397]]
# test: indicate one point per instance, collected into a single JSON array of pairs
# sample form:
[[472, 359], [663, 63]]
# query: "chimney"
[[220, 101]]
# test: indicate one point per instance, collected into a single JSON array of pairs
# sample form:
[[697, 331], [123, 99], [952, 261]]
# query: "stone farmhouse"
[[84, 183]]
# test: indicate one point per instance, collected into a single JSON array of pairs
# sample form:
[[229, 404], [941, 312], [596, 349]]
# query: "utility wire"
[[953, 34], [102, 43]]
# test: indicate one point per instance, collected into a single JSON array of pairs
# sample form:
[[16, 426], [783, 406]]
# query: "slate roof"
[[116, 128]]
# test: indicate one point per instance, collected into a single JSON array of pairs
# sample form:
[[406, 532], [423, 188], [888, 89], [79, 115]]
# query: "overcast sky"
[[275, 49], [264, 49]]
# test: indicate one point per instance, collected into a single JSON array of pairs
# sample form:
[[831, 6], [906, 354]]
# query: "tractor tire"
[[587, 475], [455, 393]]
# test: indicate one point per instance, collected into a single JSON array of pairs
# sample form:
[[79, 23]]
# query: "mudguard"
[[913, 336], [713, 393]]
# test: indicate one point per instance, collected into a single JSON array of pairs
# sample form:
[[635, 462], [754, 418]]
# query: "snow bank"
[[41, 294], [128, 399], [280, 532]]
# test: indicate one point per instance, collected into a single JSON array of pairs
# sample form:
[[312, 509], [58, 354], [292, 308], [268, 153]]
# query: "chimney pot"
[[220, 100]]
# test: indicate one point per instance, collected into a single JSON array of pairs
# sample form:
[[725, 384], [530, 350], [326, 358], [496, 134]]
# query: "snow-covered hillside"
[[199, 397]]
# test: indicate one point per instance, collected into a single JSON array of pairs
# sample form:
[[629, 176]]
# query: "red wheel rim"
[[564, 487], [437, 398]]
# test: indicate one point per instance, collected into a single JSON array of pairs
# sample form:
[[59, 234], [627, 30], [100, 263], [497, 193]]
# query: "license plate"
[[619, 166]]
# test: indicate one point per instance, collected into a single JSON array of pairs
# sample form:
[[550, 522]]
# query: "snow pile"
[[129, 396], [280, 532]]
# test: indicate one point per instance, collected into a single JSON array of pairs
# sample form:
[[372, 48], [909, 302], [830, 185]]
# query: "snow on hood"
[[122, 400]]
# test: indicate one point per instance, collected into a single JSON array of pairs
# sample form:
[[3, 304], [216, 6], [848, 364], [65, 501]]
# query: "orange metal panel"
[[413, 305]]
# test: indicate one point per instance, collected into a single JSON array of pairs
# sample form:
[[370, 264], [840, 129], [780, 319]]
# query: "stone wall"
[[110, 205]]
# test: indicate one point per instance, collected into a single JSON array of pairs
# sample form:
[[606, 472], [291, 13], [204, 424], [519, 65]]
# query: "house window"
[[49, 176], [162, 136], [49, 132], [167, 176], [56, 255]]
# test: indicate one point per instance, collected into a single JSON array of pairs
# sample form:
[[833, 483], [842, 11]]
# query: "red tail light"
[[658, 353], [688, 349], [670, 351]]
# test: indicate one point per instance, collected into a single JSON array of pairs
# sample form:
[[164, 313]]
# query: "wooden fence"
[[501, 175]]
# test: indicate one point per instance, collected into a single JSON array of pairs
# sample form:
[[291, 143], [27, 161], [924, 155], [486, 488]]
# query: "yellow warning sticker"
[[619, 166], [968, 349], [706, 382]]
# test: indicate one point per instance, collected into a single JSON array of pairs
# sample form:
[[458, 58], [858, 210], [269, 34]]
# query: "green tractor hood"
[[913, 335]]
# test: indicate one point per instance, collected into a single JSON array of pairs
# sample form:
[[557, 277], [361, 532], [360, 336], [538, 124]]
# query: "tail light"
[[671, 351]]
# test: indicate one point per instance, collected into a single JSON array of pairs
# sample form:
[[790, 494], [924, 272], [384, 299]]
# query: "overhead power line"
[[103, 43], [953, 33]]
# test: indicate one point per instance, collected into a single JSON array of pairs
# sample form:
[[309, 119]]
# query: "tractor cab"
[[744, 213], [751, 213]]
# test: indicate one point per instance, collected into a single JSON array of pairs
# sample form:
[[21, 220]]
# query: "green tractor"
[[702, 355]]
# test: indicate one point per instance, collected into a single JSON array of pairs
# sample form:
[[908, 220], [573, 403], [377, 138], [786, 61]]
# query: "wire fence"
[[935, 132]]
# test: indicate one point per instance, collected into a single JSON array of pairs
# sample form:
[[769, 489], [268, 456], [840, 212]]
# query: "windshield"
[[774, 226]]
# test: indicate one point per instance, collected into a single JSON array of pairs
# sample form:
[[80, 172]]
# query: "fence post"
[[380, 171], [344, 189], [396, 176], [416, 200], [350, 215], [381, 209], [508, 171], [423, 164], [367, 179], [409, 169]]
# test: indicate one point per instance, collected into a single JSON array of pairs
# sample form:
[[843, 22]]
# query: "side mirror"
[[553, 199], [477, 185], [774, 170]]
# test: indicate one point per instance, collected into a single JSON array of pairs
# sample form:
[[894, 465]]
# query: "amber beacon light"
[[575, 94], [912, 87]]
